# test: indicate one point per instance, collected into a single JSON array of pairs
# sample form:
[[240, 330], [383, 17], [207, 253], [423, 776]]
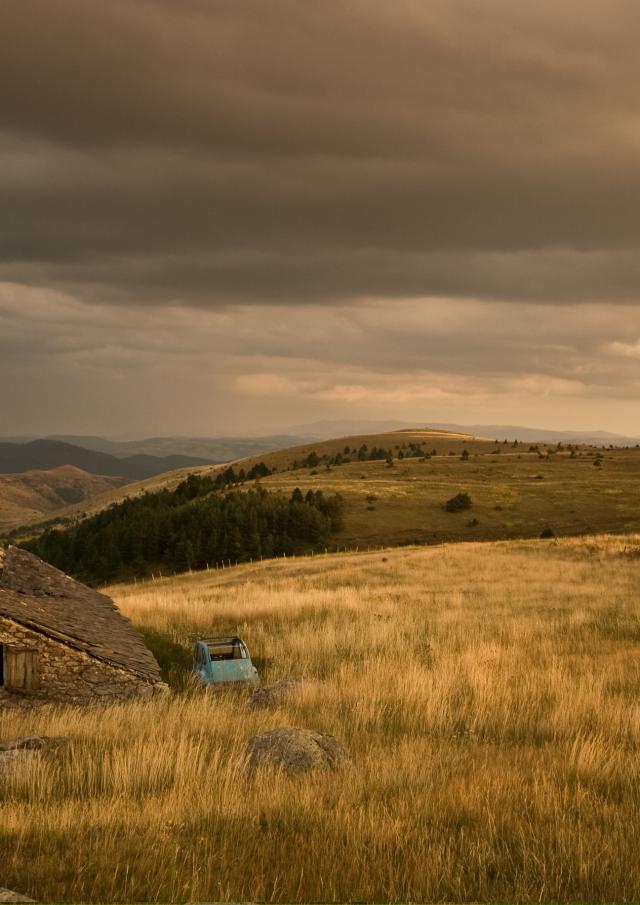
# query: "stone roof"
[[46, 600]]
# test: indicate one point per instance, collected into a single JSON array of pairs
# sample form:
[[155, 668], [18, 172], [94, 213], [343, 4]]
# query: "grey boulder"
[[296, 750], [32, 743], [17, 751], [8, 895], [273, 695]]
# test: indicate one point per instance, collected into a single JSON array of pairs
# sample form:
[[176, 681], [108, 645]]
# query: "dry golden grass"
[[488, 693]]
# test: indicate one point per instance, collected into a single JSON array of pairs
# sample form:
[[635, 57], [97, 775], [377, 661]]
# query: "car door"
[[200, 662]]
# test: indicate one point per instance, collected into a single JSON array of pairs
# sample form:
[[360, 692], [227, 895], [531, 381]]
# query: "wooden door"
[[21, 669]]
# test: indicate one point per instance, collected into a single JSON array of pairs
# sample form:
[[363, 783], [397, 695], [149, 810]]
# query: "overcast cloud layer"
[[230, 216]]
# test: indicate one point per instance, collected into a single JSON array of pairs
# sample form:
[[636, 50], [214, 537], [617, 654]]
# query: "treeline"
[[364, 453], [202, 485], [191, 528]]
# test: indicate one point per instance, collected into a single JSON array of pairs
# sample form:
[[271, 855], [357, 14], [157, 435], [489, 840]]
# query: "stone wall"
[[70, 675]]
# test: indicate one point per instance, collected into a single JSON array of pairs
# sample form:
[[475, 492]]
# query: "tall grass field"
[[489, 695]]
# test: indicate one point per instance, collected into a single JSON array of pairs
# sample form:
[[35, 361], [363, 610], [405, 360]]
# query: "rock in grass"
[[8, 895], [16, 751], [274, 694], [32, 743], [296, 751]]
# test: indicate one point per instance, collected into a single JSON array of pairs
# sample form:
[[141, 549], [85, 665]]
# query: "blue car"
[[224, 661]]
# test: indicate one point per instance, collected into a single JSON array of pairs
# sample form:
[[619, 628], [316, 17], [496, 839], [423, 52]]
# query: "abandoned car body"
[[62, 641], [224, 661]]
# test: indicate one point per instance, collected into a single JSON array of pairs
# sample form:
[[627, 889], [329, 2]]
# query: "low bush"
[[459, 502]]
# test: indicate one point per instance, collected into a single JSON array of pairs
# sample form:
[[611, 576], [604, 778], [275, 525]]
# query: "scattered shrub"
[[259, 471], [458, 503]]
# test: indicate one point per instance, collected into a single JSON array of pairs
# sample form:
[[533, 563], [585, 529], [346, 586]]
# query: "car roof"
[[226, 639]]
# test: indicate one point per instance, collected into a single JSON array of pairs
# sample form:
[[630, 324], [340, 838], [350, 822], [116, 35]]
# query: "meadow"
[[516, 491], [489, 695]]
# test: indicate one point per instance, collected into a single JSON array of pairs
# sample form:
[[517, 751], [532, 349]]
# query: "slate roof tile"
[[43, 598]]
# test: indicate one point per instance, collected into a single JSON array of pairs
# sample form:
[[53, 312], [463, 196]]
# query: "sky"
[[232, 216]]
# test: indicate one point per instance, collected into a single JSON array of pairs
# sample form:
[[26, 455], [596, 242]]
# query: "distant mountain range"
[[534, 434], [211, 449], [43, 455], [325, 430], [226, 449]]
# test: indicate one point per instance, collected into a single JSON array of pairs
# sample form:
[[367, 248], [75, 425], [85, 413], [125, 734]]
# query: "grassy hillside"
[[106, 495], [32, 495], [516, 491], [490, 696], [280, 459]]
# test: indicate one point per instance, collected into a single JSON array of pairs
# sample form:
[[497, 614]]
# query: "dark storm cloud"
[[220, 216], [218, 151]]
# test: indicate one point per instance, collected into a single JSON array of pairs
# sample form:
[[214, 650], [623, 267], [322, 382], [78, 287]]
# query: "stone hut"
[[63, 641]]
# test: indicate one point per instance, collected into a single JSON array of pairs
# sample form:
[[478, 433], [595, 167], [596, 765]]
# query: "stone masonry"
[[71, 675], [86, 650]]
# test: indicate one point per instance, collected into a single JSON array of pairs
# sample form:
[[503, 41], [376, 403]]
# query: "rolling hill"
[[515, 490], [34, 495], [280, 459]]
